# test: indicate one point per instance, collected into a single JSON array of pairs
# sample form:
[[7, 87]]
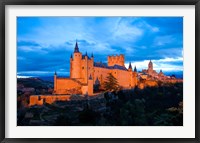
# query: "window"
[[82, 67]]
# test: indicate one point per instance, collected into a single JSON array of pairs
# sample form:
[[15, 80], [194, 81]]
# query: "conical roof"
[[76, 49]]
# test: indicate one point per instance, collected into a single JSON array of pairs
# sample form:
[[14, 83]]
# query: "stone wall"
[[41, 99], [147, 83], [67, 86]]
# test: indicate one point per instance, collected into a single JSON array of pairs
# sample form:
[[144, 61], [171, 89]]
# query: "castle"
[[85, 73]]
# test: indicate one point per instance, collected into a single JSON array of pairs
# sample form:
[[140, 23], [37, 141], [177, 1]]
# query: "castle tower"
[[86, 67], [116, 60], [150, 66], [130, 67], [131, 81], [90, 85], [75, 67], [135, 69], [71, 58], [121, 60], [92, 66], [135, 80]]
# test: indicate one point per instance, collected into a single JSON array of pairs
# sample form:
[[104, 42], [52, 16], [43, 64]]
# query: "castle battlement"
[[116, 60], [121, 56]]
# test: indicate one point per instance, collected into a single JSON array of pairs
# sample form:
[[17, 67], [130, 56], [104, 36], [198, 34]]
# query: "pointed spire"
[[90, 77], [130, 66], [92, 55], [135, 69], [71, 56], [86, 53], [160, 70], [97, 81], [76, 49], [55, 73]]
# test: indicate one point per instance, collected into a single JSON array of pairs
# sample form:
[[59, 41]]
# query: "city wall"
[[41, 99]]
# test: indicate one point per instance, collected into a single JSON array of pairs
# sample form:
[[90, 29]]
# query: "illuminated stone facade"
[[85, 73]]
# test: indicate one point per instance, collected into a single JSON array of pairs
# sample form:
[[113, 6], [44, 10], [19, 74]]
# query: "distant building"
[[151, 74], [150, 70], [85, 73]]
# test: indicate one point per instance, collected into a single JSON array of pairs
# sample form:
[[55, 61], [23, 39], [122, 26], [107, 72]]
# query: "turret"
[[130, 67], [86, 56], [135, 69], [76, 63], [90, 85], [92, 58], [76, 49]]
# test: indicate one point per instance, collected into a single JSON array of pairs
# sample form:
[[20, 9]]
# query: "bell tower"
[[150, 66]]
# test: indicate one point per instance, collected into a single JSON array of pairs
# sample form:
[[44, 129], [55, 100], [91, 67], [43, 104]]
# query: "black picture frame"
[[3, 4]]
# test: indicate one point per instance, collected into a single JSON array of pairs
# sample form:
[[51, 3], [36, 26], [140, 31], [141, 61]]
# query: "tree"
[[111, 83]]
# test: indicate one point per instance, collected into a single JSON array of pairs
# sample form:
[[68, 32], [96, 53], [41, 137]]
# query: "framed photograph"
[[103, 71]]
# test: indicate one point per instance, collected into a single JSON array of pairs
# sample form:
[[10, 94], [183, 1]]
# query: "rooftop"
[[104, 65]]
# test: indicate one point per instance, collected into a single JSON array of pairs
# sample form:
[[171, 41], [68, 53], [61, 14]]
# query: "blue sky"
[[44, 44]]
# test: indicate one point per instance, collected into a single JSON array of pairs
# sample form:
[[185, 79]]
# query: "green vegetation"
[[152, 106], [111, 83]]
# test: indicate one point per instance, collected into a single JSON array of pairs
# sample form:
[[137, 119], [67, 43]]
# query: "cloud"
[[163, 40], [46, 43], [127, 31], [29, 43], [170, 60]]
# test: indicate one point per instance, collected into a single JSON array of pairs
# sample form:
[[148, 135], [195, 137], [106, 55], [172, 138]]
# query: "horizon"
[[46, 46], [50, 77]]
